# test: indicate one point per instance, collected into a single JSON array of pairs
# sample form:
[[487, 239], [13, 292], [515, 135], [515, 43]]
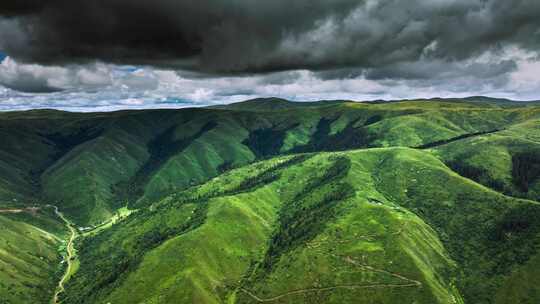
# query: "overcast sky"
[[113, 54]]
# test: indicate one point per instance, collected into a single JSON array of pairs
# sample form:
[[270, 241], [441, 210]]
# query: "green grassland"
[[421, 201], [103, 161], [332, 227], [29, 256], [507, 161]]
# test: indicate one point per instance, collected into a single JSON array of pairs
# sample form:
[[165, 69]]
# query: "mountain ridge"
[[288, 180]]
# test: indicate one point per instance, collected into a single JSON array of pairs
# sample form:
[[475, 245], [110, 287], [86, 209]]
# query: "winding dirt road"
[[70, 248], [70, 254]]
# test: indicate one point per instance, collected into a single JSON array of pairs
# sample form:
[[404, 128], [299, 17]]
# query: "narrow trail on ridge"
[[407, 283]]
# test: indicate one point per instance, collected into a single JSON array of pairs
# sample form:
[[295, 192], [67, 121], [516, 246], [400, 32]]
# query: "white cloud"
[[99, 76], [31, 77], [526, 80], [105, 87]]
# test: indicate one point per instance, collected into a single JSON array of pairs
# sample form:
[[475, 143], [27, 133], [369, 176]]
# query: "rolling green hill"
[[29, 257], [365, 223], [419, 201]]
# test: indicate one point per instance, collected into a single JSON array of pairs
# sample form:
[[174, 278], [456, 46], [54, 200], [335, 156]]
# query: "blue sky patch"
[[174, 100]]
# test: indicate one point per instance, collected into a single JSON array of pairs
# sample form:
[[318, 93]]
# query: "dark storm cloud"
[[441, 70], [246, 36], [21, 7], [207, 34]]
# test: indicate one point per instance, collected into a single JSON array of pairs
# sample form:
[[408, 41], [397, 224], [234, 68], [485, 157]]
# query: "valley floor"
[[70, 257]]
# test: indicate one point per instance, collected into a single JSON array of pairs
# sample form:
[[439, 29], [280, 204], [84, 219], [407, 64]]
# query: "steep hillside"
[[507, 161], [29, 257], [381, 225], [92, 164]]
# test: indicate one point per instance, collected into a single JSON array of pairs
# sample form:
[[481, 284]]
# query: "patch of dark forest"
[[306, 215], [161, 149], [63, 144], [351, 137], [267, 142], [453, 139], [525, 172]]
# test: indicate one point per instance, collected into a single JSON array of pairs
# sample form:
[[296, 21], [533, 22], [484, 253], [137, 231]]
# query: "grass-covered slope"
[[380, 225], [92, 164], [216, 235], [29, 258], [507, 161], [240, 137], [19, 162]]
